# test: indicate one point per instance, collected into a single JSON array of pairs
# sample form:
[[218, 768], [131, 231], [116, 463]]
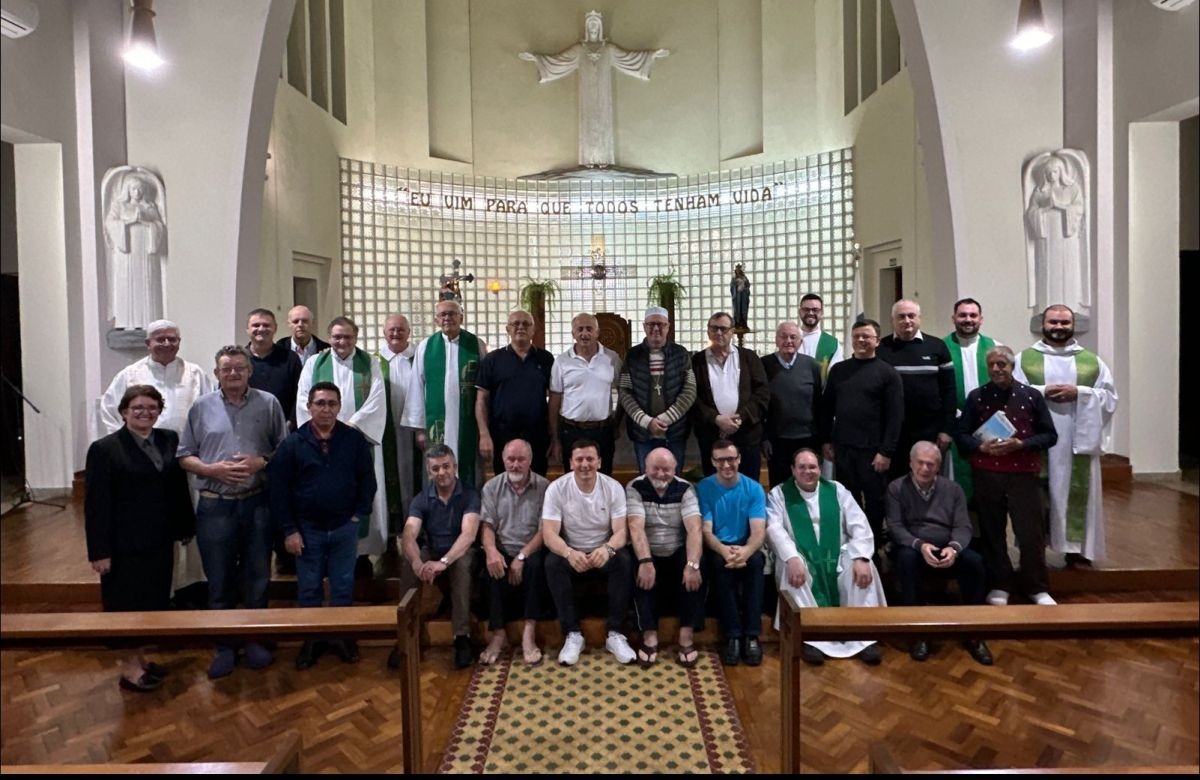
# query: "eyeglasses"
[[442, 315], [656, 325], [727, 459], [718, 329], [521, 324], [144, 411]]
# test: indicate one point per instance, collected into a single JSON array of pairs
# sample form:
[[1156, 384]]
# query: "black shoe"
[[979, 651], [811, 655], [345, 649], [870, 655], [155, 670], [751, 651], [394, 658], [145, 684], [463, 655], [919, 650], [733, 652], [309, 653]]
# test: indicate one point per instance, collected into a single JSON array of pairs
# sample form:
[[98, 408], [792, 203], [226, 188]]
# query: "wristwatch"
[[521, 556], [444, 561], [611, 552], [694, 565]]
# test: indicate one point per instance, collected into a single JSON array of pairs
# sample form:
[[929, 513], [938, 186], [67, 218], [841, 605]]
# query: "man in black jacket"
[[322, 484], [302, 341]]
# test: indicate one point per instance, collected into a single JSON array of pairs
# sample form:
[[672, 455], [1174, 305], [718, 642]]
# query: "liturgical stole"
[[962, 467], [435, 398], [826, 346], [821, 556]]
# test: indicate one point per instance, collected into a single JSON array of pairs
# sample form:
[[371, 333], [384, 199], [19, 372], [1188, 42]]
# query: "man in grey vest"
[[657, 388]]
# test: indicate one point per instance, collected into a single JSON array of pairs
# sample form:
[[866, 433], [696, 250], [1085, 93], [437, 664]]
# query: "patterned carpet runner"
[[598, 716]]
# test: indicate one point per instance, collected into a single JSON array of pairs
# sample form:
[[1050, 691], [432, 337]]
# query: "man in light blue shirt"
[[733, 510]]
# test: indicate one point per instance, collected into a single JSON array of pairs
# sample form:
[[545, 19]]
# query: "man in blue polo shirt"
[[734, 512], [439, 537]]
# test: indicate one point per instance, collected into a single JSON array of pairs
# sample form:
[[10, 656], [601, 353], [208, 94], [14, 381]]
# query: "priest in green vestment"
[[968, 351], [364, 407], [440, 404], [823, 547]]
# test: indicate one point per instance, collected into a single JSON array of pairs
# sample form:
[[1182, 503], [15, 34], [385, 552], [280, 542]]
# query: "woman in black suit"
[[137, 506]]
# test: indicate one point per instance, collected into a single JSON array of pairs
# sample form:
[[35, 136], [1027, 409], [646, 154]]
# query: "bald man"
[[582, 385], [302, 341], [395, 364]]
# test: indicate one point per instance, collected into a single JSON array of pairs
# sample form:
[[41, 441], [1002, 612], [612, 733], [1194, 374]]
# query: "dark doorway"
[[12, 447]]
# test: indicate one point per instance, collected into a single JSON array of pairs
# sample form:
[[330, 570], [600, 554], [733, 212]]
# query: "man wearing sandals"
[[665, 531], [511, 536]]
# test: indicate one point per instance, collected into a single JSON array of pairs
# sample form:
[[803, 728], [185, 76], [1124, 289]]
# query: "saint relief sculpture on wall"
[[135, 234], [1057, 230]]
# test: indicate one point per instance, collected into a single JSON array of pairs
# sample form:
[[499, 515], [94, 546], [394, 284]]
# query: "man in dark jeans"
[[930, 530], [322, 485]]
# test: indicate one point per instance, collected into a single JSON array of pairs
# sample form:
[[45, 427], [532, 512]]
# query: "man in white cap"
[[180, 383], [657, 388]]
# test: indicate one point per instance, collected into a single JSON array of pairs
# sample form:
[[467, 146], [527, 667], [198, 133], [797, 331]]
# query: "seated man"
[[930, 530], [583, 528], [322, 483], [438, 538], [511, 535], [1004, 472], [823, 546], [664, 530], [734, 515]]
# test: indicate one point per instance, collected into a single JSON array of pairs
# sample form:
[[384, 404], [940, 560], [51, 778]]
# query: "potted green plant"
[[664, 291], [536, 297]]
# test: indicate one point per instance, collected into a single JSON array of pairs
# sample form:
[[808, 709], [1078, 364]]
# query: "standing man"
[[795, 382], [927, 371], [363, 406], [668, 540], [302, 340], [732, 396], [733, 510], [861, 412], [656, 390], [1006, 476], [180, 384], [395, 366], [439, 538], [816, 343], [583, 528], [581, 391], [229, 437], [322, 483], [931, 533], [968, 350], [823, 549], [511, 535], [1082, 397], [510, 398], [440, 403], [275, 369]]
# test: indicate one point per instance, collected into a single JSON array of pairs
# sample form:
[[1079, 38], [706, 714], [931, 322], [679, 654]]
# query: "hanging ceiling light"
[[1031, 27], [142, 49]]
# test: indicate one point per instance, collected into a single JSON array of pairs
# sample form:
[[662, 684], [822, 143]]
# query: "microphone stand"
[[27, 489]]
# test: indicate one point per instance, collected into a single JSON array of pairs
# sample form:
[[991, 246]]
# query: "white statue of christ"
[[594, 57]]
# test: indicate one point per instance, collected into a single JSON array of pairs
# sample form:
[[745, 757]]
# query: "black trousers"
[[604, 435], [668, 587], [539, 441], [738, 594], [910, 566], [998, 496], [853, 469], [779, 465], [618, 575], [528, 594]]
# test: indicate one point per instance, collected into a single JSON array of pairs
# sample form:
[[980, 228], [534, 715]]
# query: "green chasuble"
[[826, 346], [435, 398], [1087, 371], [821, 557], [962, 467], [361, 367]]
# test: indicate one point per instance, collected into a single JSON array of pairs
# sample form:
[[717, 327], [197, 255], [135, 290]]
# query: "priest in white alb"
[[395, 364], [440, 404], [823, 547], [1082, 398], [364, 406]]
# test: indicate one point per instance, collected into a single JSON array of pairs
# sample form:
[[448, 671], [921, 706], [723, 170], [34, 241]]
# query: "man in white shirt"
[[581, 395], [395, 365], [583, 528], [364, 406], [816, 343], [968, 351]]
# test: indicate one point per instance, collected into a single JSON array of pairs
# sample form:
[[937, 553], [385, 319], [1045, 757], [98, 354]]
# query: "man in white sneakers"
[[583, 528]]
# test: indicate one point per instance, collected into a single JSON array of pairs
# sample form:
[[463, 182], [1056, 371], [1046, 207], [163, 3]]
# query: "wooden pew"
[[401, 622], [285, 761], [1167, 619], [884, 763]]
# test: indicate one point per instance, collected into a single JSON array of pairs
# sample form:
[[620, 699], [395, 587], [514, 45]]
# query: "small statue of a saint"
[[135, 235], [739, 293]]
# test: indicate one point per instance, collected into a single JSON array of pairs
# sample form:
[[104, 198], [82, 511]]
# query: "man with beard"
[[816, 343], [968, 349], [1082, 397]]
